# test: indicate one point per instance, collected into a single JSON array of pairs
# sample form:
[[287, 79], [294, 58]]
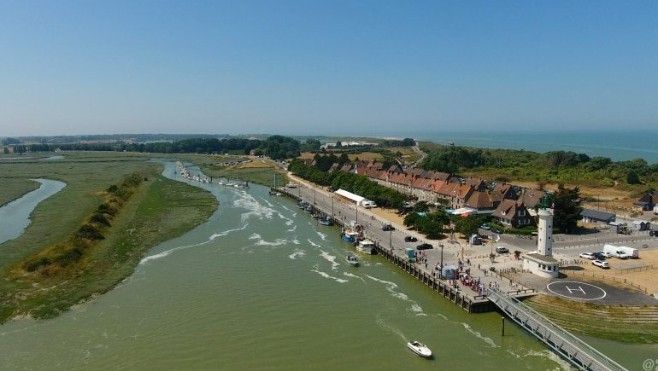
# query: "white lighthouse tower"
[[545, 232], [542, 262]]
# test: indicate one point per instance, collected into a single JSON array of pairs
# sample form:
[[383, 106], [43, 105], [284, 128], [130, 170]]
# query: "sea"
[[617, 145]]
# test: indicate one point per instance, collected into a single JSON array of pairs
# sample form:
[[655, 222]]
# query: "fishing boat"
[[350, 235], [353, 233], [352, 260], [419, 348], [366, 246]]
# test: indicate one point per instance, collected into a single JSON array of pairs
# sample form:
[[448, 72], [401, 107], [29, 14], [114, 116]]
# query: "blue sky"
[[326, 67]]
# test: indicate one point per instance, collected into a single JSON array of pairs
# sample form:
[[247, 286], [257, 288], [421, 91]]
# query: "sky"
[[326, 67]]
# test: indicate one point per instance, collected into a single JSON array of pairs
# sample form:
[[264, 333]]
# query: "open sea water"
[[617, 145]]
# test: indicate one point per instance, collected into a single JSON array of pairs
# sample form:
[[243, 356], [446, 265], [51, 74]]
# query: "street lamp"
[[441, 266]]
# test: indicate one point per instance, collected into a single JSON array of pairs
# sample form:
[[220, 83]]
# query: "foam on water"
[[261, 242], [327, 275], [228, 231], [297, 253], [166, 253], [477, 334], [322, 235], [348, 274], [330, 258], [313, 243], [253, 207]]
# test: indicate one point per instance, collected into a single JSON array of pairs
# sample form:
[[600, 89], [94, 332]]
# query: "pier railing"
[[573, 349]]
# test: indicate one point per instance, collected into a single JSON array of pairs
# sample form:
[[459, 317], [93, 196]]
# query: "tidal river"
[[15, 216], [262, 286]]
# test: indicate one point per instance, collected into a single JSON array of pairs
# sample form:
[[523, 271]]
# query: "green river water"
[[262, 286]]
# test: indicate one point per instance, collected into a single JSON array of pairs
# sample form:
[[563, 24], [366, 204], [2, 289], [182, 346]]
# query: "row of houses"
[[511, 205]]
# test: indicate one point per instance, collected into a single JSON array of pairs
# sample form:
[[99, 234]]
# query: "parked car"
[[485, 227], [496, 230], [424, 246], [601, 264], [587, 255], [605, 254], [410, 239], [599, 256], [653, 233], [387, 227], [502, 250]]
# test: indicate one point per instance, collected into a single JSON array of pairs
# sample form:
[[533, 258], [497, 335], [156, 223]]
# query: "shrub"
[[36, 264], [90, 232]]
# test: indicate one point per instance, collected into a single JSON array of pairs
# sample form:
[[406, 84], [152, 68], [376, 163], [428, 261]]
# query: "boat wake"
[[391, 288], [381, 322], [323, 236], [477, 334]]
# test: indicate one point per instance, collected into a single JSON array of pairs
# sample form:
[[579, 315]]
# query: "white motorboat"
[[352, 260], [419, 348], [367, 246]]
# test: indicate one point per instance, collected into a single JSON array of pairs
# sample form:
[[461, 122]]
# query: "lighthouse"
[[545, 232], [542, 262]]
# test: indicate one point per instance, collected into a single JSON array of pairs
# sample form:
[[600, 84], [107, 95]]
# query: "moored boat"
[[326, 221], [419, 348], [367, 246], [353, 234]]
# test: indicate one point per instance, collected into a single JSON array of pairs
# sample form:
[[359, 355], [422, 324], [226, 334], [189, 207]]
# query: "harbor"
[[472, 286], [467, 288]]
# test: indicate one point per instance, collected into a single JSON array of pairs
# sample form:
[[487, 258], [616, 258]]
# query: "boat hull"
[[420, 349]]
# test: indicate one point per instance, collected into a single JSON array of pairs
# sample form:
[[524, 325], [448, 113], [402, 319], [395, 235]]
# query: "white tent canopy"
[[349, 195]]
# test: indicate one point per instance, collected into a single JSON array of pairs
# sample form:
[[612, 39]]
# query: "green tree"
[[633, 178], [567, 209], [467, 225]]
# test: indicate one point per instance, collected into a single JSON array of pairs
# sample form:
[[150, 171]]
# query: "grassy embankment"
[[12, 189], [259, 171], [632, 324], [158, 210]]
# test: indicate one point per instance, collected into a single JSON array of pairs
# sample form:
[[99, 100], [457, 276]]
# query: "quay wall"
[[471, 304]]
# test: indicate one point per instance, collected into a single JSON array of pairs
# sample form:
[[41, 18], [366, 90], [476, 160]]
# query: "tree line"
[[554, 166]]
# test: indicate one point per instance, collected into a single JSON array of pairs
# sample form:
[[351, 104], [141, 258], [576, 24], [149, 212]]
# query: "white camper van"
[[621, 252]]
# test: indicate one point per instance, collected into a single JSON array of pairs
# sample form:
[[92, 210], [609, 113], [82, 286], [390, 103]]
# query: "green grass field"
[[11, 189], [161, 209]]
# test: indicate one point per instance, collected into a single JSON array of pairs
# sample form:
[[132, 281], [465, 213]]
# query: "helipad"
[[576, 290]]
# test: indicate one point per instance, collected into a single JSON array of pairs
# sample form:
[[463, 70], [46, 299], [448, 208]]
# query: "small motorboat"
[[352, 260], [419, 348]]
